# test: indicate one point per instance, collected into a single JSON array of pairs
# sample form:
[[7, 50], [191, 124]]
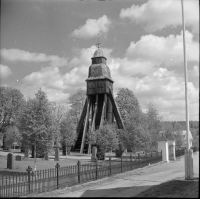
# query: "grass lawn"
[[21, 166]]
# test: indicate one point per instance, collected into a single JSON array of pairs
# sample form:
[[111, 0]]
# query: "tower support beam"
[[103, 110], [116, 112], [85, 125], [95, 112]]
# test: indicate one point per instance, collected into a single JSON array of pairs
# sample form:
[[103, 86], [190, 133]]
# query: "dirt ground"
[[179, 188]]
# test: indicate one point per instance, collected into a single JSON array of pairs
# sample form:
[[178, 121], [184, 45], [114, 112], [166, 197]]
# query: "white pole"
[[35, 154], [186, 78], [188, 153]]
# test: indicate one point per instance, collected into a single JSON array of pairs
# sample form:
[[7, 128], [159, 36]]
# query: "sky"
[[49, 44]]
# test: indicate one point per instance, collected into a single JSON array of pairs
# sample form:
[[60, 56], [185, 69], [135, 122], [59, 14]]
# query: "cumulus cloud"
[[21, 55], [164, 50], [57, 86], [144, 75], [5, 71], [164, 89], [194, 72], [92, 27], [156, 15]]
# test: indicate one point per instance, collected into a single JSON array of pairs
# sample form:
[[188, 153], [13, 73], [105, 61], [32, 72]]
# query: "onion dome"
[[98, 53]]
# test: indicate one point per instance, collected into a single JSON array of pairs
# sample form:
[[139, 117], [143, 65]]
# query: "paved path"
[[131, 183]]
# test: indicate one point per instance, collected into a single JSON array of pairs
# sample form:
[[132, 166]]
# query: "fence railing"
[[181, 152], [30, 182]]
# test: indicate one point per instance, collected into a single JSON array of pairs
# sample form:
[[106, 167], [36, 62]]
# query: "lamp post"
[[188, 151]]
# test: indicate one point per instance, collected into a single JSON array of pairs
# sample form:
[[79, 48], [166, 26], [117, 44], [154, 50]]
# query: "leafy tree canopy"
[[11, 104], [68, 130], [106, 137], [37, 124], [77, 101], [128, 105]]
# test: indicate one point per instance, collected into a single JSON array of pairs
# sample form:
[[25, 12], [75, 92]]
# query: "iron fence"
[[30, 182], [180, 152]]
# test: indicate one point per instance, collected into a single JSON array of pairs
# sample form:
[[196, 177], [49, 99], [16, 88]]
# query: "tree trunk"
[[4, 141], [33, 151], [63, 149]]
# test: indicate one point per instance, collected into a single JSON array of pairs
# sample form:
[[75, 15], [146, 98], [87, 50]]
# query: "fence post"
[[139, 158], [96, 169], [151, 154], [110, 164], [121, 163], [57, 169], [131, 160], [79, 164], [29, 169], [146, 157], [161, 154]]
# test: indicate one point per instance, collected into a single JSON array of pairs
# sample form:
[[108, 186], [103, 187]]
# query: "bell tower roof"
[[99, 69], [98, 53]]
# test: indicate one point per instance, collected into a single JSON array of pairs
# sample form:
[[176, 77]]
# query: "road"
[[131, 183]]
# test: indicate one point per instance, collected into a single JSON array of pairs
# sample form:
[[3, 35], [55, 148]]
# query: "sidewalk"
[[128, 184]]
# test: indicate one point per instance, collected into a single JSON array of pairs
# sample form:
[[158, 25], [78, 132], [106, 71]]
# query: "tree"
[[77, 101], [68, 131], [179, 139], [12, 135], [195, 135], [153, 126], [168, 131], [36, 124], [11, 104], [128, 104], [133, 136], [106, 137], [58, 113], [90, 138]]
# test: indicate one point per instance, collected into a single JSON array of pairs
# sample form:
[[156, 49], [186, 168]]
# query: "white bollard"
[[189, 175]]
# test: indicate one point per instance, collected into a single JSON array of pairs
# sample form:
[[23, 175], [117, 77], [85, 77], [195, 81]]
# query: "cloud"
[[144, 75], [164, 89], [93, 27], [156, 15], [164, 50], [194, 72], [5, 71], [21, 55], [127, 67], [57, 86], [53, 81]]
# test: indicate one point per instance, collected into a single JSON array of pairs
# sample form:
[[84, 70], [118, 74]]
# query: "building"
[[100, 104]]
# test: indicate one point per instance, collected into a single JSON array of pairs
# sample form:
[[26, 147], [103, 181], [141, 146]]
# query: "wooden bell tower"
[[99, 104]]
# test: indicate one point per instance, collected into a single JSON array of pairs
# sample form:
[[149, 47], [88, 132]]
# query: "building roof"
[[99, 69], [98, 53], [171, 138], [162, 138]]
